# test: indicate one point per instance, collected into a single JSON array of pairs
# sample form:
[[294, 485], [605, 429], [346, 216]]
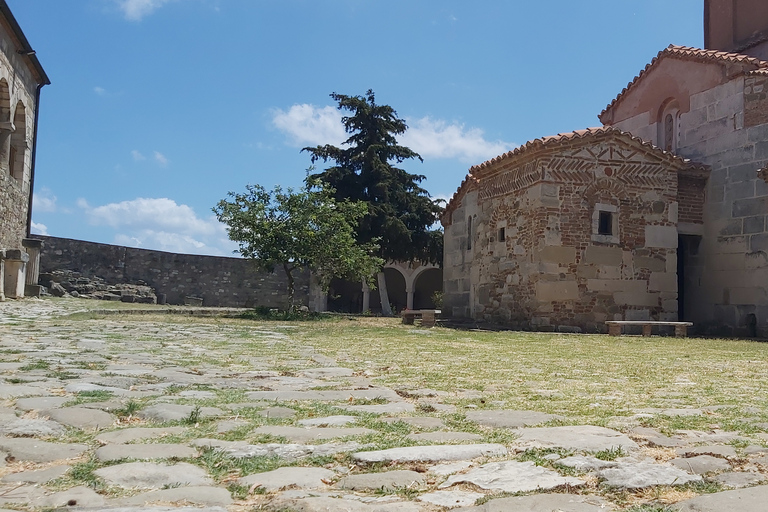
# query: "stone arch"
[[17, 158], [425, 283], [668, 124], [602, 186], [396, 290], [6, 126]]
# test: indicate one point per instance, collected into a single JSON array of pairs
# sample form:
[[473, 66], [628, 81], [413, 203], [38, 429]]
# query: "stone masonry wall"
[[219, 281], [17, 95], [535, 260], [726, 128]]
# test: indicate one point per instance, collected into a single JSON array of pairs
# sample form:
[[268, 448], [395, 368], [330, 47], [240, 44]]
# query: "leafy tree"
[[299, 229], [400, 212]]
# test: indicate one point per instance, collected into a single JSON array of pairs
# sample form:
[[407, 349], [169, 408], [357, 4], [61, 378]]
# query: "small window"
[[502, 234], [469, 233], [605, 223], [12, 162], [669, 132]]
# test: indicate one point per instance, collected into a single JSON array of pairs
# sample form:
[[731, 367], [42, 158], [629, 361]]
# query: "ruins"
[[660, 214]]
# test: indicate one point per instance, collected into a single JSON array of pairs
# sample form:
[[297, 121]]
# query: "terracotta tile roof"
[[476, 172], [749, 64]]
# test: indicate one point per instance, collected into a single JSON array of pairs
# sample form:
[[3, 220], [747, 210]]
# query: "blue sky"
[[158, 108]]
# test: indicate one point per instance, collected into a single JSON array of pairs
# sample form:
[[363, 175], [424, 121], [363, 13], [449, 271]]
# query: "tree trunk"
[[385, 309], [289, 275]]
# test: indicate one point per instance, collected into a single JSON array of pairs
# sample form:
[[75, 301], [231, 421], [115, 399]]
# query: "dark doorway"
[[687, 258]]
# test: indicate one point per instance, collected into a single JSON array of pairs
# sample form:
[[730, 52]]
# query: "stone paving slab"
[[129, 435], [81, 417], [586, 438], [39, 476], [80, 496], [444, 437], [391, 408], [451, 499], [34, 450], [41, 403], [113, 452], [303, 478], [195, 494], [176, 412], [324, 395], [421, 422], [16, 390], [512, 476], [327, 504], [328, 421], [701, 464], [31, 427], [544, 503], [304, 435], [153, 476], [639, 475], [734, 480], [752, 499], [277, 412], [432, 453], [387, 480], [508, 418]]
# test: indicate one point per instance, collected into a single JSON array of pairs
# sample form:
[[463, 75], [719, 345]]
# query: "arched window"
[[669, 117], [6, 126], [469, 232], [18, 151]]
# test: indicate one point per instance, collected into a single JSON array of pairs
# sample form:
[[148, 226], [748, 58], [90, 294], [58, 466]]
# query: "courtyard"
[[106, 409]]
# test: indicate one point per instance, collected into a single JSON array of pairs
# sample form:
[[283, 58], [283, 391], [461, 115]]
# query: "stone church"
[[658, 214], [21, 78]]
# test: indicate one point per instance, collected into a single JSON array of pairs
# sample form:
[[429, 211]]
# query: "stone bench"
[[614, 326], [427, 316]]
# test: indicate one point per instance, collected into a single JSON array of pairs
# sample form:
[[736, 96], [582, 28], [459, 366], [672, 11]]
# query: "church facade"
[[659, 214]]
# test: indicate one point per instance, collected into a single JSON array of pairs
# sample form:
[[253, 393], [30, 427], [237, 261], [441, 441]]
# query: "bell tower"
[[737, 26]]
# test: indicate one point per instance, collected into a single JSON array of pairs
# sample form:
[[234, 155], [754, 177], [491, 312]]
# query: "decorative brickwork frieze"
[[755, 100]]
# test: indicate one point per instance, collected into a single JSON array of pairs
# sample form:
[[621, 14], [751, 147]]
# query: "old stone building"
[[21, 78], [659, 214]]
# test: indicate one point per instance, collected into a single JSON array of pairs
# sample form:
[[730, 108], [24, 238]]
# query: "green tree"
[[300, 229], [400, 213]]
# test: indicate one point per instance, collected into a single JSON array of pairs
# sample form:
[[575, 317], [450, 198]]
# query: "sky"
[[158, 108]]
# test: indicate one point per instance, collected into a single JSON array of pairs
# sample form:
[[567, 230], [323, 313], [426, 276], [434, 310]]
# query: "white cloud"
[[160, 223], [435, 138], [39, 229], [135, 10], [161, 158], [137, 156], [431, 138], [43, 201], [100, 91], [308, 124]]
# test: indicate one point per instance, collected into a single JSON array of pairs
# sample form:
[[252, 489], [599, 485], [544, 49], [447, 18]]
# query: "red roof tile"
[[750, 64]]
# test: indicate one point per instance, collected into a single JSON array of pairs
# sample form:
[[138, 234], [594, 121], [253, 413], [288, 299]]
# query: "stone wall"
[[534, 256], [725, 127], [219, 281]]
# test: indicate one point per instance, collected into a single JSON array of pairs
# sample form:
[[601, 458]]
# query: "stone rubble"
[[122, 418]]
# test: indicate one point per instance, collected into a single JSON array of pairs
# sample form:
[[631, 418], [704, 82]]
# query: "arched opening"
[[427, 283], [668, 123], [18, 151], [6, 127], [395, 290], [345, 296]]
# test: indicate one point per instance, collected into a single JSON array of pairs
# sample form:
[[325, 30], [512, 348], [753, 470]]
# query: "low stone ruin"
[[61, 283]]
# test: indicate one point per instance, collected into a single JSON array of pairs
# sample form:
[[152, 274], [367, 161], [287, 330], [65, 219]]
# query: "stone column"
[[318, 298], [409, 296], [33, 247], [6, 130], [366, 297], [15, 272]]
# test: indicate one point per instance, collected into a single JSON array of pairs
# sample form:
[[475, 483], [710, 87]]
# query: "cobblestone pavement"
[[160, 416]]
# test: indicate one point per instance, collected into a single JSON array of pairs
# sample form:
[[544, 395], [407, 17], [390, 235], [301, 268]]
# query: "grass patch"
[[36, 365]]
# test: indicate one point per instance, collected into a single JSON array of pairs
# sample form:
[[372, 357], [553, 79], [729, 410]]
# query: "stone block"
[[549, 291], [599, 255], [669, 305], [755, 260], [741, 173], [636, 299], [732, 261], [662, 282], [742, 190], [606, 272], [652, 264], [734, 244], [732, 227], [557, 254], [758, 243], [638, 314], [754, 224], [749, 296], [750, 207], [617, 285], [661, 236]]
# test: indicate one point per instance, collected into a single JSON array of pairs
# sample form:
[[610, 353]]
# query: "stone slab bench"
[[614, 326], [427, 316]]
